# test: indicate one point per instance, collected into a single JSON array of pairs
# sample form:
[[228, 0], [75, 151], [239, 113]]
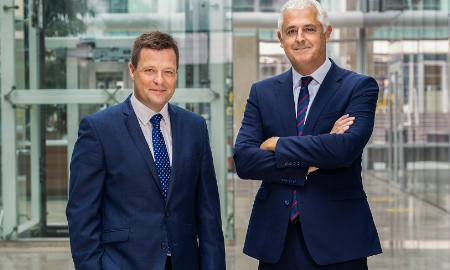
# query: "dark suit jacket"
[[118, 218], [334, 213]]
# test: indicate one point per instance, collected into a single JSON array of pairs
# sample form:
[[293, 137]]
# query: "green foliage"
[[65, 17], [55, 71]]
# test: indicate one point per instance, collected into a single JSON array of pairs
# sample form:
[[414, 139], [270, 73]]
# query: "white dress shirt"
[[313, 86], [144, 114]]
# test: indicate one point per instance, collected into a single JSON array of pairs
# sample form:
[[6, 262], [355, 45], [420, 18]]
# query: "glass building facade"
[[62, 60], [404, 45]]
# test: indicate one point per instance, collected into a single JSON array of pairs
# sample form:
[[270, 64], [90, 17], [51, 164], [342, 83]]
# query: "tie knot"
[[306, 80], [156, 119]]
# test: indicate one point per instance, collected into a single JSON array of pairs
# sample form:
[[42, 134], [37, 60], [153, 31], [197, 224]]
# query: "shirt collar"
[[144, 113], [318, 75]]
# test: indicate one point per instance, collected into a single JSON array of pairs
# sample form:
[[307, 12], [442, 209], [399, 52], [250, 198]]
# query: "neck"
[[305, 70]]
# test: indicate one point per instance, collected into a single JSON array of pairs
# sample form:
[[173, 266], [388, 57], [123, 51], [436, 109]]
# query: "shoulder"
[[352, 77], [108, 112], [275, 80], [186, 115], [358, 84], [266, 86], [106, 116]]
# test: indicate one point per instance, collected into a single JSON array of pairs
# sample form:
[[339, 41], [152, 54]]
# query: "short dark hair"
[[153, 40]]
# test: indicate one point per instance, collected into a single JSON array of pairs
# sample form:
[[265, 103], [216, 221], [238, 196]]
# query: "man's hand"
[[270, 144], [341, 126]]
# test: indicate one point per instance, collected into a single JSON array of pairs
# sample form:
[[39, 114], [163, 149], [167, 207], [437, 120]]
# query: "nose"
[[300, 35], [158, 79]]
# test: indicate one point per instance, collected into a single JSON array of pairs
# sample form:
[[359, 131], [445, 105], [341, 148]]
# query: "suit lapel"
[[135, 131], [285, 96], [176, 147], [328, 88]]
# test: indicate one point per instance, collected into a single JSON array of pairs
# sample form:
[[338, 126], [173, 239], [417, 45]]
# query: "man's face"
[[154, 77], [303, 39]]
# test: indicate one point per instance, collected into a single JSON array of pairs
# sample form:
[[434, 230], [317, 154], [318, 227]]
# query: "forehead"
[[298, 18], [157, 57]]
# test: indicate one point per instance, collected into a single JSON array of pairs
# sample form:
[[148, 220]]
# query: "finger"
[[343, 129], [347, 121], [342, 121], [342, 118], [340, 130]]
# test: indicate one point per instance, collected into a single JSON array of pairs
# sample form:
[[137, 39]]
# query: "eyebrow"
[[303, 26], [310, 25], [290, 27]]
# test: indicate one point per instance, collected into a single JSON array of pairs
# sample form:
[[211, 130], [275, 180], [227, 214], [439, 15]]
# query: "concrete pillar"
[[245, 73]]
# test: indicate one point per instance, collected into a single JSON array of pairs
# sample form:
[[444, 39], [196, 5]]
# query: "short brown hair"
[[153, 40]]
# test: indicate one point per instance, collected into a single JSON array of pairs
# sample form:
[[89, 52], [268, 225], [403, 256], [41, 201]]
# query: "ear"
[[280, 38], [328, 33], [132, 69]]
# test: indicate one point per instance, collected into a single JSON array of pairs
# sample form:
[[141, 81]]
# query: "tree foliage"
[[65, 17]]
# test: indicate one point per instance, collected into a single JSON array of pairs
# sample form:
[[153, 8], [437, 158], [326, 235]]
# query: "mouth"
[[302, 48]]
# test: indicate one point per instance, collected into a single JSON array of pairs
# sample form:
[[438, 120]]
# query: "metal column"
[[8, 126]]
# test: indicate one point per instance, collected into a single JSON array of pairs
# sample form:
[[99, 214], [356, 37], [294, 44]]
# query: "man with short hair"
[[303, 135], [143, 192]]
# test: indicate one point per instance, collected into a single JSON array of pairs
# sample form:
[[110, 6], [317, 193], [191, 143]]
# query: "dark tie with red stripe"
[[302, 107]]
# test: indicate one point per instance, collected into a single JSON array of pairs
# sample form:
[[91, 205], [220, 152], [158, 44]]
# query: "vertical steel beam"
[[8, 126], [72, 111], [217, 75], [35, 147], [362, 48]]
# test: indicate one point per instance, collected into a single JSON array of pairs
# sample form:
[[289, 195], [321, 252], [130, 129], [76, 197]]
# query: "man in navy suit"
[[143, 191], [303, 135]]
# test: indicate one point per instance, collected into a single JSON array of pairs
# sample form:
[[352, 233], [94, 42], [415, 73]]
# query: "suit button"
[[285, 163], [167, 213], [163, 246], [286, 202]]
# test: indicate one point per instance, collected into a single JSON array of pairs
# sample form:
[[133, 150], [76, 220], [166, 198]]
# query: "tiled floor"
[[414, 235]]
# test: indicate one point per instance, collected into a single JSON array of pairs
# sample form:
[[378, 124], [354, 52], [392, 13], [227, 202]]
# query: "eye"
[[148, 71], [291, 31], [310, 29], [169, 73]]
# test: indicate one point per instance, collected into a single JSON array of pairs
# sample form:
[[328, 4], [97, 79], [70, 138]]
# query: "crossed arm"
[[255, 156], [340, 126]]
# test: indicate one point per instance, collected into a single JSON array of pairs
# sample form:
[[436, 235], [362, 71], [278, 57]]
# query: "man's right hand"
[[341, 126]]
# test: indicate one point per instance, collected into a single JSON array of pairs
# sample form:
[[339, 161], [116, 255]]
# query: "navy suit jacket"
[[118, 218], [334, 213]]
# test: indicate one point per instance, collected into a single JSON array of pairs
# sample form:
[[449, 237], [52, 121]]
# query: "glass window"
[[73, 61]]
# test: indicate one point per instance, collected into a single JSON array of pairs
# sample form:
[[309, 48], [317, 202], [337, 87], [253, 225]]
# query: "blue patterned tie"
[[302, 107], [162, 161], [302, 104]]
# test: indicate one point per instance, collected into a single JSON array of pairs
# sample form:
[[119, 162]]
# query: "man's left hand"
[[270, 144]]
